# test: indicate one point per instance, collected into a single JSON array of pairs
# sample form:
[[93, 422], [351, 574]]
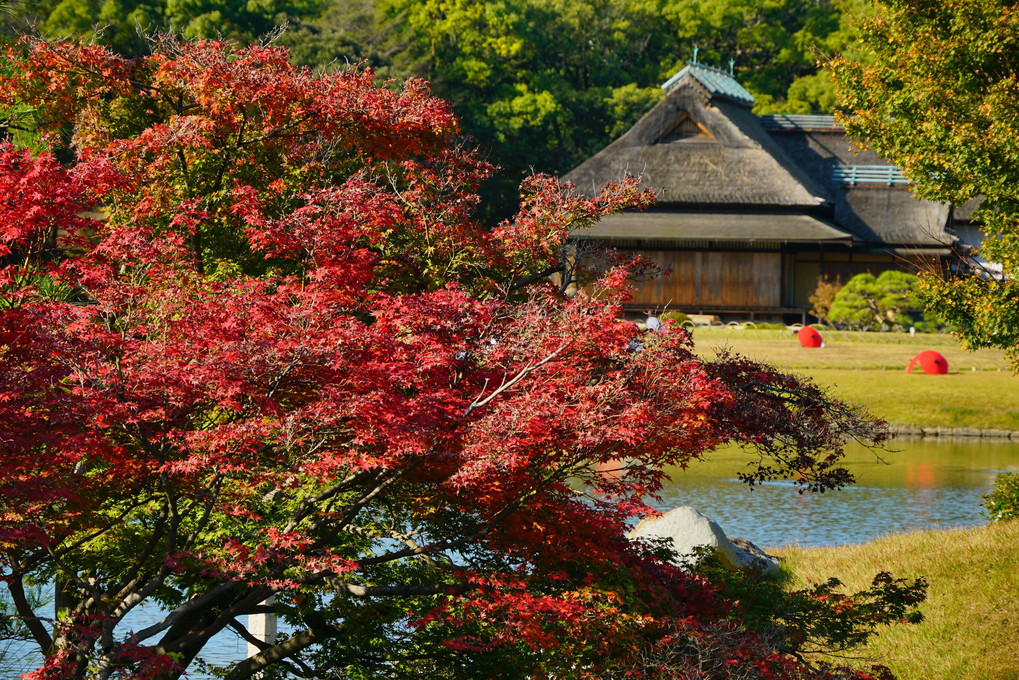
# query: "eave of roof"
[[747, 227]]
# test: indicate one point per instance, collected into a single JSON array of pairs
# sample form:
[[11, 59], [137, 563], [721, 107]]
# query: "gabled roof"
[[716, 81], [734, 163], [706, 154]]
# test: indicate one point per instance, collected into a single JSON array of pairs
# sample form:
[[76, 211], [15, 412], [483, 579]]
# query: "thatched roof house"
[[752, 210]]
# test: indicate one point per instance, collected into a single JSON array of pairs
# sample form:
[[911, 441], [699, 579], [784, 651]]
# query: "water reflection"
[[924, 483]]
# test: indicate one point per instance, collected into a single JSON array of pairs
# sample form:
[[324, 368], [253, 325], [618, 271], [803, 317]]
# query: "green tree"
[[773, 45], [939, 98], [854, 305], [884, 302], [123, 24], [344, 33], [540, 83]]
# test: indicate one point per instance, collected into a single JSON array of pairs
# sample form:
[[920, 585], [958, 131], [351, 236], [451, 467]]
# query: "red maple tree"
[[253, 345]]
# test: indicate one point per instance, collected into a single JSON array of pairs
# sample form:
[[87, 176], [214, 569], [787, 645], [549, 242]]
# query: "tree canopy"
[[547, 83], [124, 24], [890, 300], [253, 345], [939, 99], [539, 84]]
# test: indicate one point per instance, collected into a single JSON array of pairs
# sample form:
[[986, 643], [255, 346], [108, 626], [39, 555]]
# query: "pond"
[[916, 484]]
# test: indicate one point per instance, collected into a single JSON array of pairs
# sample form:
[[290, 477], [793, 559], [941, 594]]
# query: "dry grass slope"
[[971, 631]]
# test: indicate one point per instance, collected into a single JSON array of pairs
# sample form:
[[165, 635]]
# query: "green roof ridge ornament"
[[695, 50], [732, 63]]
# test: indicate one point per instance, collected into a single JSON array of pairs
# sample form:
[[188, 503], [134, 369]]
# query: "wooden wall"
[[713, 279]]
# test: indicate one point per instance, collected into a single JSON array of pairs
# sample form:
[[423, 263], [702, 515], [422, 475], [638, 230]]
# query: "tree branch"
[[189, 606], [17, 590], [394, 591], [506, 384], [318, 632], [545, 273]]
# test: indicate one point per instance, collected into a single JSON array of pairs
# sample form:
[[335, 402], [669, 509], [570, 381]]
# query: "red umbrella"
[[932, 363], [809, 337]]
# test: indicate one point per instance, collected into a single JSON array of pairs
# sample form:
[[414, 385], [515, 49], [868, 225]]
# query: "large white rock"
[[689, 529]]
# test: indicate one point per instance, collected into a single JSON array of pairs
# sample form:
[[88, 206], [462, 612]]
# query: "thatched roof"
[[702, 145], [879, 215], [966, 211], [725, 174], [878, 212]]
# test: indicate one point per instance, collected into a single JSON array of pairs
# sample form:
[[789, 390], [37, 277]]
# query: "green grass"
[[980, 390], [971, 627]]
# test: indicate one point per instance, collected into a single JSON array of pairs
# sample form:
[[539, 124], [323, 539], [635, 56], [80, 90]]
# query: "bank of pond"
[[915, 512], [969, 630]]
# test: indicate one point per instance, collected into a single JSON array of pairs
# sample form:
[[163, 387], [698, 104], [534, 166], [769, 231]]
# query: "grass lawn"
[[971, 627], [979, 391], [971, 631]]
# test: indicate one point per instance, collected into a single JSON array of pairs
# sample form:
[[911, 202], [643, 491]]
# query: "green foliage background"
[[539, 84]]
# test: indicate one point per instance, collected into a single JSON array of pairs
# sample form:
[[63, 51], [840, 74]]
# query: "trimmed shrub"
[[1003, 502], [854, 305], [886, 302]]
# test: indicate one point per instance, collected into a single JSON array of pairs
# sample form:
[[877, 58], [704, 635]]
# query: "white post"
[[262, 626]]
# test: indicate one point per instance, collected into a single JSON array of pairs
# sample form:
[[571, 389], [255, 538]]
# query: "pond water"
[[917, 484]]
